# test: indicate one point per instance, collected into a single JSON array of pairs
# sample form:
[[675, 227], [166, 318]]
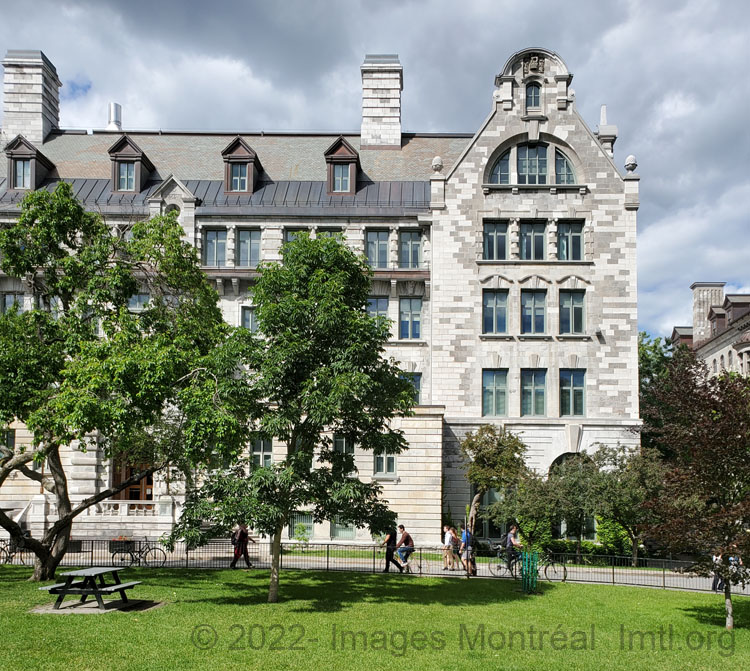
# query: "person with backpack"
[[466, 551], [240, 538]]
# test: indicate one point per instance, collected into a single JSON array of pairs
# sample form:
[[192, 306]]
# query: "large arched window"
[[563, 169], [501, 170], [532, 164], [533, 95]]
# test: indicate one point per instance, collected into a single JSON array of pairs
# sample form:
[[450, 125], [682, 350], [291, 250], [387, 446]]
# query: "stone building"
[[505, 257], [720, 332]]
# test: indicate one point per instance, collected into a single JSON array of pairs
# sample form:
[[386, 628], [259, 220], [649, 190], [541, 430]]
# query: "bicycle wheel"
[[498, 568], [123, 558], [5, 556], [154, 557], [555, 572]]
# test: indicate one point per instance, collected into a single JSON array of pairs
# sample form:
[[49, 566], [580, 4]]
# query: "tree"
[[654, 355], [318, 364], [83, 371], [704, 423], [495, 460], [627, 480], [572, 486]]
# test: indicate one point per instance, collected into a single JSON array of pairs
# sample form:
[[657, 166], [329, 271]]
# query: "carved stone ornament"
[[437, 164], [533, 63]]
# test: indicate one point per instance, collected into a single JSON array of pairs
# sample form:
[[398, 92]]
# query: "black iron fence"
[[217, 554]]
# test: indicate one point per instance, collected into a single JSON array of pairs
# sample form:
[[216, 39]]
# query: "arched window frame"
[[564, 171], [508, 152], [500, 173]]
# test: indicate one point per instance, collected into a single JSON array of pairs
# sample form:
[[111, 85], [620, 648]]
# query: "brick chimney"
[[705, 294], [31, 103], [382, 83]]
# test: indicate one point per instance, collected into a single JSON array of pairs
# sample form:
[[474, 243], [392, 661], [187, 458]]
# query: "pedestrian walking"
[[240, 538], [390, 548], [456, 544], [447, 548], [466, 551]]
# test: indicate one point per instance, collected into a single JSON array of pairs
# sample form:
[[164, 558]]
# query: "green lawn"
[[424, 623]]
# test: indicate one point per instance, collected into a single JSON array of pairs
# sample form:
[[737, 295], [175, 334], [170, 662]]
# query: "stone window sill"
[[525, 262], [496, 336], [409, 342], [574, 336], [534, 336]]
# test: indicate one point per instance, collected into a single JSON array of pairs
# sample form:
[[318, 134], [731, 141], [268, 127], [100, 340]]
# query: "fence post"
[[374, 550], [613, 570], [187, 556], [92, 553], [328, 554], [663, 574]]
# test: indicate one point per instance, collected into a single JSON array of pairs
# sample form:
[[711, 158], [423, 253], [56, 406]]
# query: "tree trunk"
[[273, 587], [728, 604], [634, 540], [46, 564]]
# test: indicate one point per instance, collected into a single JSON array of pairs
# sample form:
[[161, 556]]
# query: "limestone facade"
[[438, 196]]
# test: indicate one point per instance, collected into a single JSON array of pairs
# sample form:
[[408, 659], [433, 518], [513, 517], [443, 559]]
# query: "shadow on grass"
[[716, 615]]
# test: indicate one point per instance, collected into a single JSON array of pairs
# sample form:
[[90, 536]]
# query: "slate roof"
[[293, 178]]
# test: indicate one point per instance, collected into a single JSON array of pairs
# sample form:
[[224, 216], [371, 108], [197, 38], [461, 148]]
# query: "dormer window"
[[241, 167], [27, 166], [239, 176], [533, 96], [343, 162], [131, 168], [341, 177], [22, 174], [126, 176]]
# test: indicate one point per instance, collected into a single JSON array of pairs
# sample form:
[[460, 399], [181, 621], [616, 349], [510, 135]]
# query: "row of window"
[[247, 253], [531, 166], [572, 383], [533, 311], [532, 241]]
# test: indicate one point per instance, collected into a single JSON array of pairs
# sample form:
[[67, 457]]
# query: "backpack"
[[504, 540], [233, 538]]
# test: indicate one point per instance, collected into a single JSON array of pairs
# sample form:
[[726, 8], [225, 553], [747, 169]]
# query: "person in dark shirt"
[[405, 546], [241, 538], [390, 548]]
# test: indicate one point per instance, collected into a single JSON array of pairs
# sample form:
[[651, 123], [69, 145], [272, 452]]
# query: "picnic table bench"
[[90, 586]]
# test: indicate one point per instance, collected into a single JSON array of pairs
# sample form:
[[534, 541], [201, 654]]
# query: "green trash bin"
[[529, 572]]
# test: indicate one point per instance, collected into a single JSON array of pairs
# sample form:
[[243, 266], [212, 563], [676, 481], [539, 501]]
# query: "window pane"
[[493, 392], [377, 249], [410, 310], [409, 249], [494, 241], [248, 251], [533, 392], [377, 306], [239, 177], [249, 320], [501, 170]]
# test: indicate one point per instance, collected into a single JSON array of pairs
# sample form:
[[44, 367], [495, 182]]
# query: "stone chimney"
[[31, 103], [382, 83], [705, 294]]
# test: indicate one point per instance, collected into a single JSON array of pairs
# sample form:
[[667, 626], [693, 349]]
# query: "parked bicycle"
[[500, 567], [10, 549], [135, 553]]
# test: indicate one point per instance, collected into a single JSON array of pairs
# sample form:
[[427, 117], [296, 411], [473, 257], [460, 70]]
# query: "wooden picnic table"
[[87, 585]]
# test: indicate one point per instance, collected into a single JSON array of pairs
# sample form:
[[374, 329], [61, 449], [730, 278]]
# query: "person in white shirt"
[[447, 548]]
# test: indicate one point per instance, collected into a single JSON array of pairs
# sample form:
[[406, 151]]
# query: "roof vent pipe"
[[115, 117]]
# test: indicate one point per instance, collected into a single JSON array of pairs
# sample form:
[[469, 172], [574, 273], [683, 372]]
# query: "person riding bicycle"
[[512, 545], [405, 545]]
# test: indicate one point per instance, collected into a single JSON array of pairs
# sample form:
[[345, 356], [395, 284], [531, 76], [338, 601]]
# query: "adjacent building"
[[505, 258]]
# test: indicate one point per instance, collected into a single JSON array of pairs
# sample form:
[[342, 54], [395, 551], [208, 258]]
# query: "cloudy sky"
[[671, 73]]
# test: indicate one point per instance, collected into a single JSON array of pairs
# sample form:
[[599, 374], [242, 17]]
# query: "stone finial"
[[437, 164], [603, 116], [630, 163], [607, 133]]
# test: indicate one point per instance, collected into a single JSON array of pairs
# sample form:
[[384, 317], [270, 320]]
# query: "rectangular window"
[[410, 316], [262, 452], [377, 306], [532, 391], [495, 247], [22, 174], [9, 300], [305, 519], [248, 248], [249, 320], [570, 242], [532, 242], [385, 464], [329, 233], [341, 177], [239, 176], [138, 302], [126, 176], [215, 248], [533, 311], [342, 444], [409, 244], [342, 530], [572, 312], [8, 439], [494, 392], [572, 391], [416, 381], [494, 311], [377, 248], [532, 164], [291, 234]]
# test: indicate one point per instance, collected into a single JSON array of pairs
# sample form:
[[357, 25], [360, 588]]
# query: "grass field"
[[219, 620]]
